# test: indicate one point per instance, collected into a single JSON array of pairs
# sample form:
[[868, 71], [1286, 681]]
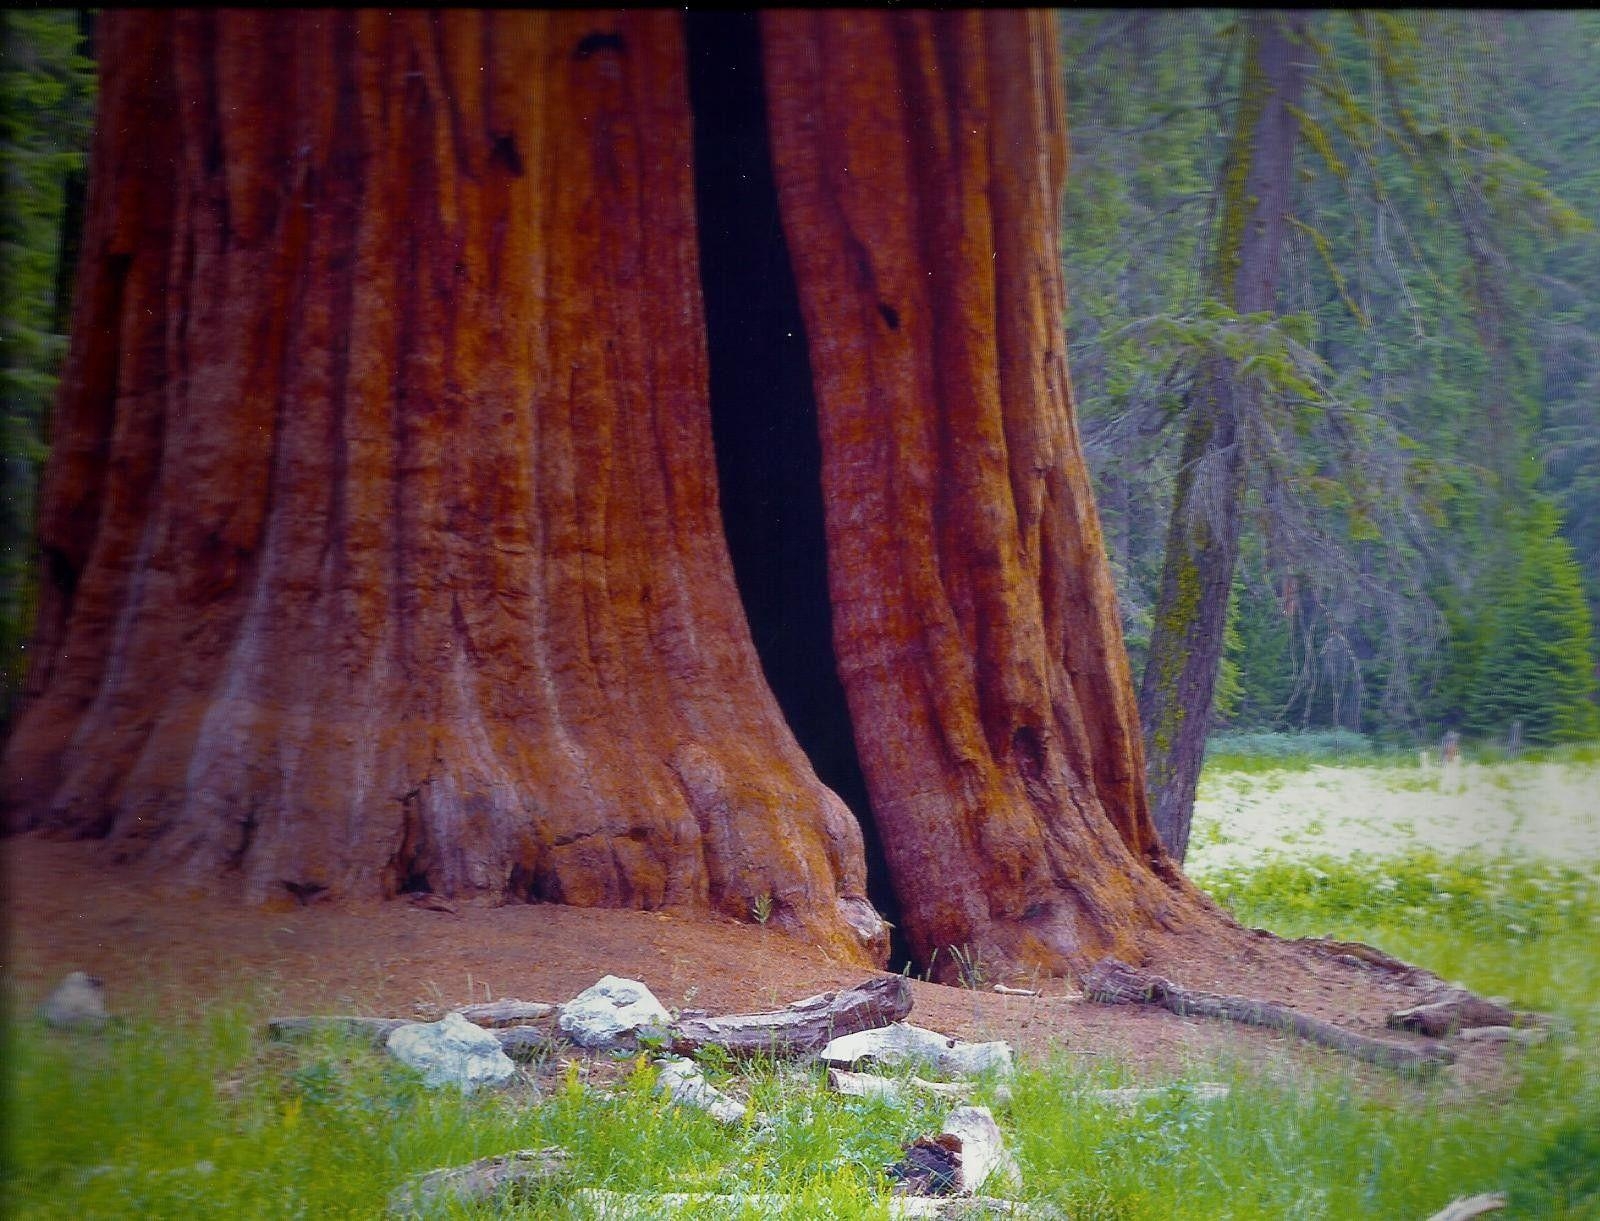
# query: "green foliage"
[[1275, 749], [1562, 1179], [1437, 360], [46, 91], [1536, 662], [1471, 897]]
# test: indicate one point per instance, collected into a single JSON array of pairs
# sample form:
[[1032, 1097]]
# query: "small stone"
[[682, 1081], [78, 1003], [611, 1012], [451, 1051]]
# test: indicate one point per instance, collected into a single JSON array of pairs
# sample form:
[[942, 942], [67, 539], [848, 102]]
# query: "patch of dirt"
[[67, 910]]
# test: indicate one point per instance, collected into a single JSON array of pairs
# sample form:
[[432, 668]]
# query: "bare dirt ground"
[[66, 909]]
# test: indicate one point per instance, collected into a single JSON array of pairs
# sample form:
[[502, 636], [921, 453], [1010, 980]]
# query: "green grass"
[[1257, 752], [202, 1118], [1268, 751]]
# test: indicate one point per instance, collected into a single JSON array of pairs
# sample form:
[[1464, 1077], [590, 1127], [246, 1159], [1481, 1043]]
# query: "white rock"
[[900, 1043], [608, 1013], [983, 1151], [682, 1081], [78, 1003], [451, 1051]]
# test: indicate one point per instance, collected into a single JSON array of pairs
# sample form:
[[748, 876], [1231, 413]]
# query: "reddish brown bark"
[[920, 159], [381, 529]]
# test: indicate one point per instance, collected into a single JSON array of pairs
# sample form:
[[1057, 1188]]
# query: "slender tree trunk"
[[919, 162], [1180, 674], [381, 531]]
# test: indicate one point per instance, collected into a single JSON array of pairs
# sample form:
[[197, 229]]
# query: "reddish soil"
[[67, 910]]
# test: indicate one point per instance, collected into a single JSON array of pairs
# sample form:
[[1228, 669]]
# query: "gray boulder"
[[451, 1051], [78, 1003], [610, 1013]]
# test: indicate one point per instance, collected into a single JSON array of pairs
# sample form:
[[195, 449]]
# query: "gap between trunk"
[[764, 417]]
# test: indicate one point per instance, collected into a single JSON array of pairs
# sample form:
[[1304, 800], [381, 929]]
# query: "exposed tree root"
[[1112, 982]]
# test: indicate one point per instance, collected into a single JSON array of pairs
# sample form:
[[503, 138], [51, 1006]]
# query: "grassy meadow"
[[199, 1117]]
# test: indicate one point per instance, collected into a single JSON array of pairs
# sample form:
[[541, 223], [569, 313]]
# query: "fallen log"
[[1459, 1010], [800, 1029], [900, 1043], [1360, 954], [1467, 1207], [477, 1181], [518, 1042], [492, 1014], [1111, 982], [1522, 1036]]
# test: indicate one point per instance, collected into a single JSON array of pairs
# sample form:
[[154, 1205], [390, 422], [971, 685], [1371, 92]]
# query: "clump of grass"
[[1508, 926], [1275, 751]]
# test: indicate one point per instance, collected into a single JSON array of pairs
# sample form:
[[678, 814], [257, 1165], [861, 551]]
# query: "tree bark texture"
[[919, 160], [1186, 643], [381, 530]]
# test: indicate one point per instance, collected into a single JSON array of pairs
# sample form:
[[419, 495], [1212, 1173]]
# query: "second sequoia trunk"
[[919, 161]]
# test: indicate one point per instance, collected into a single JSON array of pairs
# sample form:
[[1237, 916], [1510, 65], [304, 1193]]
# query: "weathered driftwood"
[[984, 1158], [477, 1181], [684, 1083], [492, 1014], [603, 1205], [1459, 1010], [1200, 1091], [1467, 1207], [967, 1153], [900, 1043], [802, 1028], [1113, 982], [518, 1042]]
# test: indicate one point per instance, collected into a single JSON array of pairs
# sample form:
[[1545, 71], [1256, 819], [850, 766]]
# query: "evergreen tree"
[[46, 93], [1537, 666]]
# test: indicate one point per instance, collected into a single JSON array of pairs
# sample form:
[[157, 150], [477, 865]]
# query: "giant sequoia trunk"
[[1180, 675], [381, 534]]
